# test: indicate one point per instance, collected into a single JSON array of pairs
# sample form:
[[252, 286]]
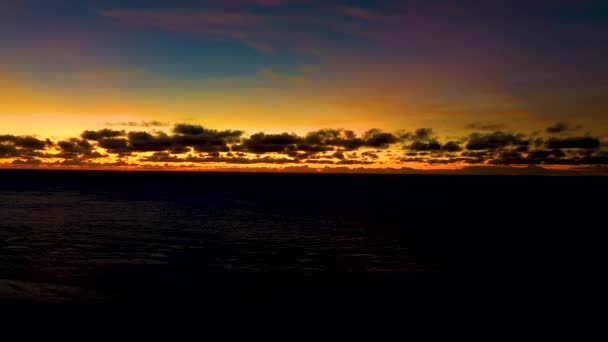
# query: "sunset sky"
[[294, 83]]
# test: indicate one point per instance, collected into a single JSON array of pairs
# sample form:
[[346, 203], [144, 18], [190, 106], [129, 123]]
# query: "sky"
[[294, 83]]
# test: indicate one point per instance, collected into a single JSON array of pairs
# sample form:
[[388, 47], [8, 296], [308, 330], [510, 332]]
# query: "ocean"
[[348, 241]]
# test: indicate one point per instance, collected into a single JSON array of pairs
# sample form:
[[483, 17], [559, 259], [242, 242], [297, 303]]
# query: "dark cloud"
[[484, 127], [320, 156], [338, 155], [476, 154], [180, 149], [242, 160], [549, 157], [31, 143], [574, 142], [327, 139], [339, 162], [560, 127], [114, 145], [77, 162], [25, 142], [25, 147], [203, 139], [30, 161], [355, 162], [162, 157], [421, 134], [8, 151], [512, 158], [495, 140], [319, 161], [601, 159], [456, 160], [266, 143], [425, 146], [423, 139], [75, 148], [152, 123], [212, 148], [302, 155], [258, 160], [197, 144], [451, 146], [186, 138], [544, 154], [100, 134], [212, 134], [75, 145], [187, 129], [165, 157], [379, 139], [118, 163], [521, 148], [146, 142], [369, 154], [413, 160]]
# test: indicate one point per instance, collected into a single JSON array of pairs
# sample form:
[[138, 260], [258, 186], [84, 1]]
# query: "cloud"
[[451, 146], [75, 145], [164, 157], [24, 146], [379, 139], [328, 139], [560, 127], [354, 162], [513, 158], [455, 160], [75, 148], [421, 134], [8, 151], [30, 161], [600, 159], [146, 142], [495, 140], [265, 143], [425, 146], [423, 139], [180, 149], [369, 154], [114, 145], [550, 159], [314, 142], [203, 139], [25, 141], [545, 154], [338, 155], [100, 134], [195, 144], [153, 123], [484, 127], [574, 142]]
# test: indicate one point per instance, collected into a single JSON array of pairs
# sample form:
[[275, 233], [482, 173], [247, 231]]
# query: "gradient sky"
[[518, 68]]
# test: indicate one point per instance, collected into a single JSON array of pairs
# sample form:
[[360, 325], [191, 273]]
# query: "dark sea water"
[[357, 243]]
